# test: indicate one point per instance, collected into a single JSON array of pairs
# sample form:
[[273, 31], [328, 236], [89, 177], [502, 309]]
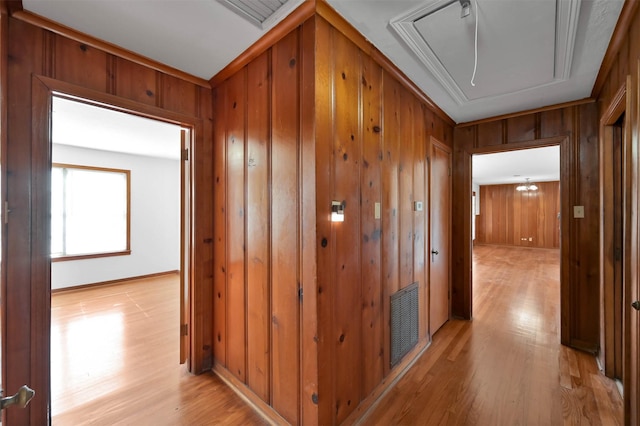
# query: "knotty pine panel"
[[347, 146], [220, 225], [324, 195], [390, 203], [91, 73], [258, 257], [135, 81], [178, 95], [405, 179], [308, 221], [285, 228], [372, 327], [507, 216], [521, 128], [235, 225], [82, 65], [420, 217], [489, 133]]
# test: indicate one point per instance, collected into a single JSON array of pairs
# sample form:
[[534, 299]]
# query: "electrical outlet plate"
[[578, 212], [417, 206]]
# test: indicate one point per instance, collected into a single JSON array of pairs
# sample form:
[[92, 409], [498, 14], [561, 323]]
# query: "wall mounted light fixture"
[[337, 211]]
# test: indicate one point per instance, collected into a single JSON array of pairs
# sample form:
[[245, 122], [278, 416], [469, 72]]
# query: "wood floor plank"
[[506, 367], [115, 361]]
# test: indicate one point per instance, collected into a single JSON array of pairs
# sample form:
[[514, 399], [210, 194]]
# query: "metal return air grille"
[[404, 322], [256, 11]]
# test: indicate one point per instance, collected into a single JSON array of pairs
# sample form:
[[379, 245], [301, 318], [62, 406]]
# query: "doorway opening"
[[515, 214], [119, 242]]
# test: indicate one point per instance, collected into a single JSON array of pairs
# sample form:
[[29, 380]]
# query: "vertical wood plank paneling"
[[135, 82], [419, 217], [390, 202], [521, 128], [347, 140], [82, 65], [554, 122], [405, 170], [235, 226], [179, 95], [202, 255], [324, 194], [220, 225], [490, 133], [24, 53], [307, 211], [507, 216], [285, 332], [372, 331], [258, 260]]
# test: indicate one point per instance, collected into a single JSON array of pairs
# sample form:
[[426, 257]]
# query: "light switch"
[[578, 212], [376, 211], [417, 206]]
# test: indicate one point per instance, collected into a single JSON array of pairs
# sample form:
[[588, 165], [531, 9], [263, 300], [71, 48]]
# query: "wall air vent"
[[258, 12], [404, 322]]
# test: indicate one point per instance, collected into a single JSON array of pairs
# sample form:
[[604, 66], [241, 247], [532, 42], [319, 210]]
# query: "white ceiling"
[[87, 126], [537, 164], [519, 42]]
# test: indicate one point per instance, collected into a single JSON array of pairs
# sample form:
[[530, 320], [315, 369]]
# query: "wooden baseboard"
[[262, 408], [366, 407], [111, 282]]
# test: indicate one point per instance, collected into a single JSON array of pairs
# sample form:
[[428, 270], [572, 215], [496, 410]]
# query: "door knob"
[[636, 305], [20, 399]]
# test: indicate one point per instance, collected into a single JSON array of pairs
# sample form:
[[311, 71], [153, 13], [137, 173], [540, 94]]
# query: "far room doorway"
[[515, 207], [119, 247]]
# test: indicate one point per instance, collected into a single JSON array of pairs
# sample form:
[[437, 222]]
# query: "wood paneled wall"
[[519, 218], [263, 202], [575, 129], [368, 144], [77, 67], [625, 71]]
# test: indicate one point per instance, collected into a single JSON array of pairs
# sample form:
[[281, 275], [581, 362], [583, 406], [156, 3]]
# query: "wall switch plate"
[[417, 206], [376, 211], [578, 212]]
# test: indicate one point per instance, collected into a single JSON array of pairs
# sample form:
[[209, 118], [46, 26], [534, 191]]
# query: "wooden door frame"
[[39, 287], [619, 105], [563, 142]]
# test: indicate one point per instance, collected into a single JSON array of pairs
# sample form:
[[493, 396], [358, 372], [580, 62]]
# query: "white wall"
[[155, 219]]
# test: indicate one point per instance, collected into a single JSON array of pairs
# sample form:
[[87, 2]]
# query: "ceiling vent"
[[259, 12]]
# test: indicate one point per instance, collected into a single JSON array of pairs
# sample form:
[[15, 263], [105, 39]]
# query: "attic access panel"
[[521, 44], [258, 12]]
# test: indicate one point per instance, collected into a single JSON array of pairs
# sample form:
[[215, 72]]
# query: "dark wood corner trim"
[[305, 11], [616, 106], [527, 112], [54, 27], [324, 10], [11, 6], [617, 40], [514, 146]]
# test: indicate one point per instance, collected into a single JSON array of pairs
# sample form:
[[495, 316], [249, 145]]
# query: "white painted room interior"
[[91, 136]]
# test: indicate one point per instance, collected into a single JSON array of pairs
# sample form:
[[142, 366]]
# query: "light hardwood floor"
[[506, 367], [115, 352], [114, 361]]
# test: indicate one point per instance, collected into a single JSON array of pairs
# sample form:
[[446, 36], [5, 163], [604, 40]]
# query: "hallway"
[[505, 367]]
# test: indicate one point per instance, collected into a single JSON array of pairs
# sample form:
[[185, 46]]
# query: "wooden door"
[[440, 274]]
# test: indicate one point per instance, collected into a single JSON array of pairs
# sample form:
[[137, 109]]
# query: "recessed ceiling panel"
[[520, 44]]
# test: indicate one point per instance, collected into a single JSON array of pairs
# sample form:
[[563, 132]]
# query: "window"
[[89, 212]]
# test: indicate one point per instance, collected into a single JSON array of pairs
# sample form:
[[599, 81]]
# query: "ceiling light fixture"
[[527, 186]]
